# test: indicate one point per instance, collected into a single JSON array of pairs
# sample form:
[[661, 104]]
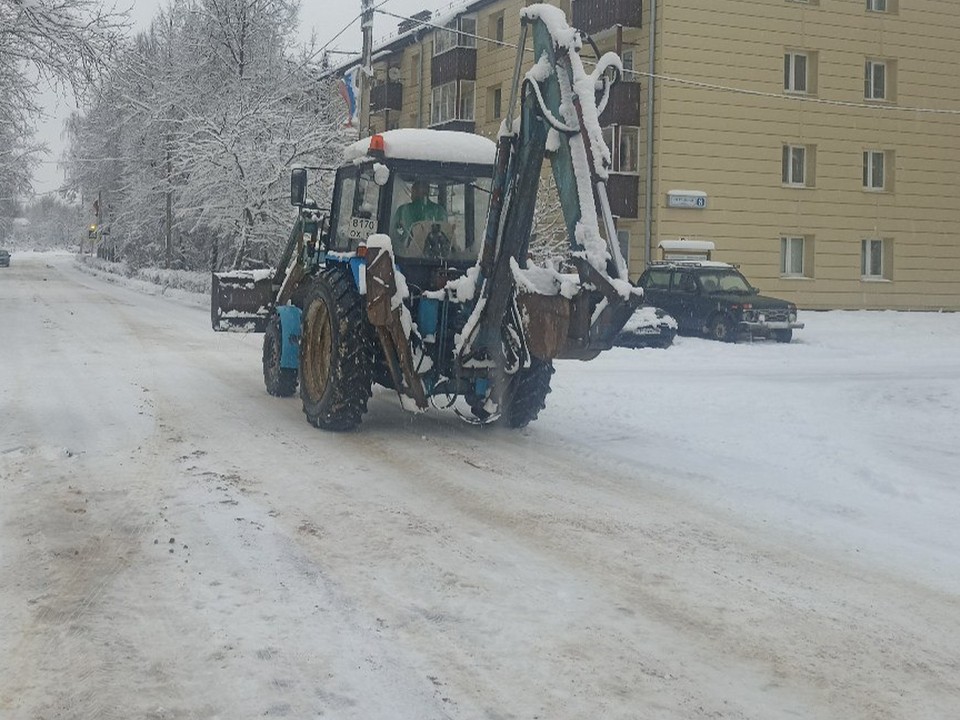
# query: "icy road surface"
[[711, 531]]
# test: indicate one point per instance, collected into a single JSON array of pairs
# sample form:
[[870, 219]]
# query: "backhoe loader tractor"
[[416, 276]]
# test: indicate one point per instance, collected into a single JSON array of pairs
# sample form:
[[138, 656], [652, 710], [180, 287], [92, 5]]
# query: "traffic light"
[[92, 232]]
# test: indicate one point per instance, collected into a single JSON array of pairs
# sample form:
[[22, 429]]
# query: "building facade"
[[816, 143]]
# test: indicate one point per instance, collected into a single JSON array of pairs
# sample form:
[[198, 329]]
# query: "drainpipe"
[[648, 221], [423, 49]]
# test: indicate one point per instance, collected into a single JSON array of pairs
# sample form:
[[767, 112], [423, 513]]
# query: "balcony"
[[386, 96], [624, 194], [458, 63], [623, 108], [592, 16]]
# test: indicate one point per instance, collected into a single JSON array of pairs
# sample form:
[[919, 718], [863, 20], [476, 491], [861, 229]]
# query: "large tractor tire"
[[528, 393], [336, 353], [280, 382]]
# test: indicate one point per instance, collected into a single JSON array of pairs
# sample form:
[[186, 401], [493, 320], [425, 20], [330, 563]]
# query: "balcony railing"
[[623, 108], [459, 63], [624, 194], [592, 16], [386, 96]]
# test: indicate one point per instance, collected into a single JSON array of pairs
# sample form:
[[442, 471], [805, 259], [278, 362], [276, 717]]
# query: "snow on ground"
[[708, 531]]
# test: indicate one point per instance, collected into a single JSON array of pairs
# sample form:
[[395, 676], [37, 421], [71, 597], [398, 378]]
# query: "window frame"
[[790, 58], [870, 170], [871, 251], [466, 100], [453, 102], [788, 256], [788, 161], [870, 80], [613, 136], [453, 35], [495, 110], [623, 239]]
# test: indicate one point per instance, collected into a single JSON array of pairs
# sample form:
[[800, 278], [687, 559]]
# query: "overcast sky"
[[325, 17]]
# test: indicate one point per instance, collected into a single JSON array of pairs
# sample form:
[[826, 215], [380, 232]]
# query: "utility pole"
[[366, 68]]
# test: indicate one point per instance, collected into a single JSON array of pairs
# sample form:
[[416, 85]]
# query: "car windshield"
[[724, 280]]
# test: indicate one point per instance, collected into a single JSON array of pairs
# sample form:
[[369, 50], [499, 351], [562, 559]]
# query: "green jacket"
[[414, 212]]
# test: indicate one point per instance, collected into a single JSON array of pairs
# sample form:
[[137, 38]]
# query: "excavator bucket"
[[241, 300]]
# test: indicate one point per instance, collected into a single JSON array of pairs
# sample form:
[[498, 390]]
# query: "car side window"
[[686, 283], [658, 280]]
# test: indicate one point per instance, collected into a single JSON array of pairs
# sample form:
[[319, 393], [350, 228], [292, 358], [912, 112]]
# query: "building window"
[[877, 5], [624, 144], [629, 65], [875, 80], [444, 105], [792, 254], [415, 70], [495, 27], [494, 103], [628, 150], [795, 72], [467, 100], [874, 170], [874, 259], [797, 166], [623, 239], [460, 32]]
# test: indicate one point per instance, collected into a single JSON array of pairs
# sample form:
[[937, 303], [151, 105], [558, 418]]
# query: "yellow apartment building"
[[816, 143]]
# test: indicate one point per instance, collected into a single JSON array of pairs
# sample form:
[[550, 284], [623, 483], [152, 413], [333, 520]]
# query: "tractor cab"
[[433, 205]]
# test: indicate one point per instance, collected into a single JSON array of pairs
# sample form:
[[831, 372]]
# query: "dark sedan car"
[[716, 300], [4, 258]]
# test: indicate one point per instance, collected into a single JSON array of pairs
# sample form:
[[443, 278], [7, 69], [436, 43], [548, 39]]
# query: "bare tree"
[[194, 131], [63, 43]]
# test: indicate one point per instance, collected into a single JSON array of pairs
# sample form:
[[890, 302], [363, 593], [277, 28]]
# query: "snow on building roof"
[[433, 145]]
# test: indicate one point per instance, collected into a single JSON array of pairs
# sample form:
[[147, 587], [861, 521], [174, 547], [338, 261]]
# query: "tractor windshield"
[[438, 218]]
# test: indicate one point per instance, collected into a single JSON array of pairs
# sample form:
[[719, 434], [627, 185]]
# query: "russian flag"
[[350, 92]]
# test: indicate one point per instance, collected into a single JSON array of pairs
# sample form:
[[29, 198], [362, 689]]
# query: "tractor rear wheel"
[[528, 393], [336, 353], [280, 381]]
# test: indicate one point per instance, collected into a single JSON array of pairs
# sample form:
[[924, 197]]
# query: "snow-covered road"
[[717, 531]]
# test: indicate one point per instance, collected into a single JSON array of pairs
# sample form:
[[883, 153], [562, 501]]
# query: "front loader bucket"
[[241, 300]]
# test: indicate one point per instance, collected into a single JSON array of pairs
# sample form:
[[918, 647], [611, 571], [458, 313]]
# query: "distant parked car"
[[648, 327], [4, 258], [716, 300]]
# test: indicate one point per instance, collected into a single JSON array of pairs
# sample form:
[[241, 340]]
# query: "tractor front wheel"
[[280, 381], [336, 353]]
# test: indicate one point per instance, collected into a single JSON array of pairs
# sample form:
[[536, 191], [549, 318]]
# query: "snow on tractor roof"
[[433, 145]]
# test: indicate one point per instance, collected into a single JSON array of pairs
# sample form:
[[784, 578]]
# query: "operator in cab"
[[420, 209]]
